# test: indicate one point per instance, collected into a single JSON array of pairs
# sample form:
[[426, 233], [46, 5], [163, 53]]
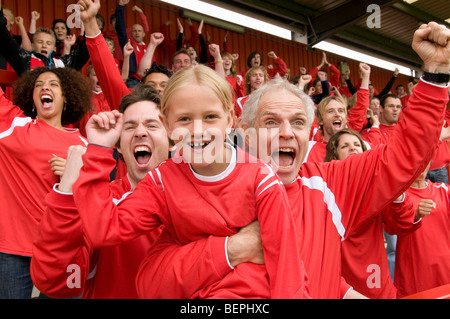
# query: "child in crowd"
[[209, 201]]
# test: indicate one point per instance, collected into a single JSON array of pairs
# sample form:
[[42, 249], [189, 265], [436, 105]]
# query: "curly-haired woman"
[[31, 131]]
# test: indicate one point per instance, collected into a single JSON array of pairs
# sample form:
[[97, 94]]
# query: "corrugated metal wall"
[[294, 54]]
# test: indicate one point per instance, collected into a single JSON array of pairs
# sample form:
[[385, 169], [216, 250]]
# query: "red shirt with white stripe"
[[62, 244], [193, 207], [26, 145], [422, 259]]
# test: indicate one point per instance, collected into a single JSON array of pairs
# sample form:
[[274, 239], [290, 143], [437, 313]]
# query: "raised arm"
[[146, 62], [10, 49], [357, 114], [103, 61], [409, 150], [61, 253]]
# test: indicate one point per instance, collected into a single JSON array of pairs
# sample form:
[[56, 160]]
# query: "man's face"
[[137, 32], [143, 140], [334, 119], [157, 80], [282, 133], [256, 80], [43, 43], [256, 60], [390, 113], [181, 61], [375, 106]]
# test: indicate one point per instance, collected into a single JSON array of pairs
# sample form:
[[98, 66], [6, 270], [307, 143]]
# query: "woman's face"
[[48, 97], [348, 145], [60, 31], [192, 53]]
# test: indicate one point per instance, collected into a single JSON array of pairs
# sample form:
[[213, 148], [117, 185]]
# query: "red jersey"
[[335, 75], [239, 105], [108, 75], [422, 259], [192, 207], [110, 79], [364, 258], [99, 104], [329, 200], [26, 145], [62, 246]]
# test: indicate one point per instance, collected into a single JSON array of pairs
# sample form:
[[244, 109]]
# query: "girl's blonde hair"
[[233, 69], [198, 75]]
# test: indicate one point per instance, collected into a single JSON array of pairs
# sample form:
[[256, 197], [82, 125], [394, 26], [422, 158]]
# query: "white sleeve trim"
[[92, 37], [226, 254], [434, 84], [56, 189], [345, 296]]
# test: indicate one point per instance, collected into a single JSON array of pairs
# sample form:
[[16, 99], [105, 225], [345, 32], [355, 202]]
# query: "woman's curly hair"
[[74, 86]]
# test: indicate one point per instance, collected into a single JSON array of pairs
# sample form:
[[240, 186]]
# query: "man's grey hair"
[[250, 108]]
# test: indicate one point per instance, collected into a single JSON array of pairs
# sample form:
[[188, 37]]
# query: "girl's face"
[[48, 98], [348, 145], [227, 63], [195, 119], [60, 31]]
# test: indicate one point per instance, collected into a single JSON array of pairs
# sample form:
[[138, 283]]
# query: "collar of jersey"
[[222, 175]]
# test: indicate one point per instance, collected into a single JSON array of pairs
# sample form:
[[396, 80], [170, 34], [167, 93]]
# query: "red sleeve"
[[144, 22], [107, 72], [8, 111], [280, 68], [345, 288], [392, 166], [398, 217], [104, 223], [60, 264], [313, 73], [335, 75], [357, 114], [287, 275], [373, 136], [175, 271]]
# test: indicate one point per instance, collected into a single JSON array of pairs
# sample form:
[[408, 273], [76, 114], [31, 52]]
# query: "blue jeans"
[[391, 241], [15, 278]]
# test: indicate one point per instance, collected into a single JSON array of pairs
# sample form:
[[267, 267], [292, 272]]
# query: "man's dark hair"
[[156, 68], [251, 56], [384, 97], [141, 92]]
